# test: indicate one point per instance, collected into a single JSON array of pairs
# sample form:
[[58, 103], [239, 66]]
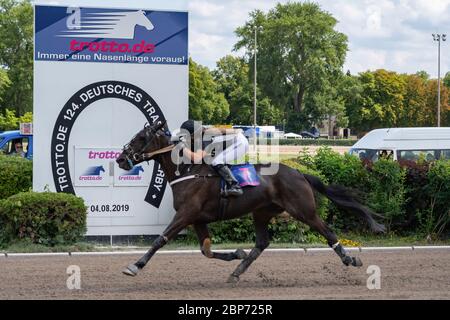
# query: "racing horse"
[[196, 196]]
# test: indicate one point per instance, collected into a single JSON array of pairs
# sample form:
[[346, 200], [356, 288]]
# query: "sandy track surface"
[[419, 274]]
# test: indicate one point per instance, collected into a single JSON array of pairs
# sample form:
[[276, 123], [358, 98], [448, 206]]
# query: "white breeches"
[[234, 152]]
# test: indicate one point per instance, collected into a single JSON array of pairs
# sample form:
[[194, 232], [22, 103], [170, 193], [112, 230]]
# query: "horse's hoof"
[[131, 270], [347, 260], [233, 279], [240, 254], [206, 248], [356, 262]]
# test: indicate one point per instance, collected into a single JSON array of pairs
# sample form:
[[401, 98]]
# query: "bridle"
[[150, 134]]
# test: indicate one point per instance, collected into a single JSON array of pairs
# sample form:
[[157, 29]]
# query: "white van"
[[404, 144]]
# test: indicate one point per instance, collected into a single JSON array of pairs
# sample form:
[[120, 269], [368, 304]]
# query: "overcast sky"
[[390, 34]]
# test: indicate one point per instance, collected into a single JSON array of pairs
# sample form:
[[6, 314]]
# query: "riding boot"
[[233, 187]]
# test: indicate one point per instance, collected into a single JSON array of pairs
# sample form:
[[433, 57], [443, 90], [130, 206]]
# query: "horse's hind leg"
[[205, 246], [262, 242], [320, 226], [298, 200], [311, 218]]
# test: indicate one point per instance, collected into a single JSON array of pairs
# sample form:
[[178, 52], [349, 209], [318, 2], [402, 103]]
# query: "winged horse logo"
[[108, 25]]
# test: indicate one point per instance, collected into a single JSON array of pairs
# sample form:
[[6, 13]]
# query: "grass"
[[347, 240], [392, 240], [27, 247], [181, 244]]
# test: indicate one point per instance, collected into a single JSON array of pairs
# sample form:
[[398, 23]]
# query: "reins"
[[148, 156]]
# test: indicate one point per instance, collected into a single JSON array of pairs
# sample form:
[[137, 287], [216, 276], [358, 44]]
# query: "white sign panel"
[[100, 75], [92, 167]]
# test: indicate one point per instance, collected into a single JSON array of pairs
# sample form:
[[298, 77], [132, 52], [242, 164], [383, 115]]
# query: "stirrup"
[[235, 190]]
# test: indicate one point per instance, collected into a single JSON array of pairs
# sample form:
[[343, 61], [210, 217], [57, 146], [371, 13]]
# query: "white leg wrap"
[[335, 245]]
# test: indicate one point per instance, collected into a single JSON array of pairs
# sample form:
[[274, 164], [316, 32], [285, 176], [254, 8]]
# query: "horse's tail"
[[342, 198]]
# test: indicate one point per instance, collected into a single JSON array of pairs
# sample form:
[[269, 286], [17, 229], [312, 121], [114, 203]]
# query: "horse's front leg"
[[262, 242], [178, 223], [205, 246]]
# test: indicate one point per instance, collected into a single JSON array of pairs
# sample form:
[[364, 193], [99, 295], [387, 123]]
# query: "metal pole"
[[254, 98], [439, 82]]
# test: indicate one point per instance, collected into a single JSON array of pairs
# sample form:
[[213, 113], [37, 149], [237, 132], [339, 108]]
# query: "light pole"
[[438, 37], [257, 28]]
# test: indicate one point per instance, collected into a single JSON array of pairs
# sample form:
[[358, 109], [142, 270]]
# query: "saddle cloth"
[[245, 174]]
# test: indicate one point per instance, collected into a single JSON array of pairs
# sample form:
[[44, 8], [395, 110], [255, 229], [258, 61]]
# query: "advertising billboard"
[[100, 74]]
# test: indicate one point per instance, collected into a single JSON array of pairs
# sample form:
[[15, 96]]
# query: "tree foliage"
[[4, 83], [9, 121], [16, 54], [380, 102], [381, 98], [299, 55], [206, 103], [429, 114], [447, 80], [414, 99], [232, 77], [234, 80]]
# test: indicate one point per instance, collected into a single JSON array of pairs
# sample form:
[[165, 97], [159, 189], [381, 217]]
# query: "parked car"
[[8, 139], [313, 133], [292, 135], [409, 144]]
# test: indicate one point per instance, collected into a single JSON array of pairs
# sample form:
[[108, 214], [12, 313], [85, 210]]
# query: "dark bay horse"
[[197, 201]]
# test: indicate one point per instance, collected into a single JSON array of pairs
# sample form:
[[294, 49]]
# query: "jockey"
[[237, 147]]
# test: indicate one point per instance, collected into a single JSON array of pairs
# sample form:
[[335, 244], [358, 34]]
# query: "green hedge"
[[387, 192], [16, 174], [411, 198], [45, 218], [435, 219]]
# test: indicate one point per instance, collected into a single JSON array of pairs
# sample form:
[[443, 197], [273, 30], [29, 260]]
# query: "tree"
[[4, 84], [429, 116], [328, 102], [351, 92], [446, 109], [298, 51], [267, 113], [423, 75], [206, 103], [16, 53], [232, 76], [9, 121], [380, 102], [447, 80], [415, 100]]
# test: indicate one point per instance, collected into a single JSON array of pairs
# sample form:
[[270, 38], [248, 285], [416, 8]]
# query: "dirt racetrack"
[[418, 274]]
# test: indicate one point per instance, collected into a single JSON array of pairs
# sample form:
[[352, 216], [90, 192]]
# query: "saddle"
[[246, 175]]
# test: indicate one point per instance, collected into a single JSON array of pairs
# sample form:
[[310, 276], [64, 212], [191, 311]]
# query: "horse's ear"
[[160, 125]]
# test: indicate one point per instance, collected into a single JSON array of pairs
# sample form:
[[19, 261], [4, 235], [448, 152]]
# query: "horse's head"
[[143, 20], [146, 141]]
